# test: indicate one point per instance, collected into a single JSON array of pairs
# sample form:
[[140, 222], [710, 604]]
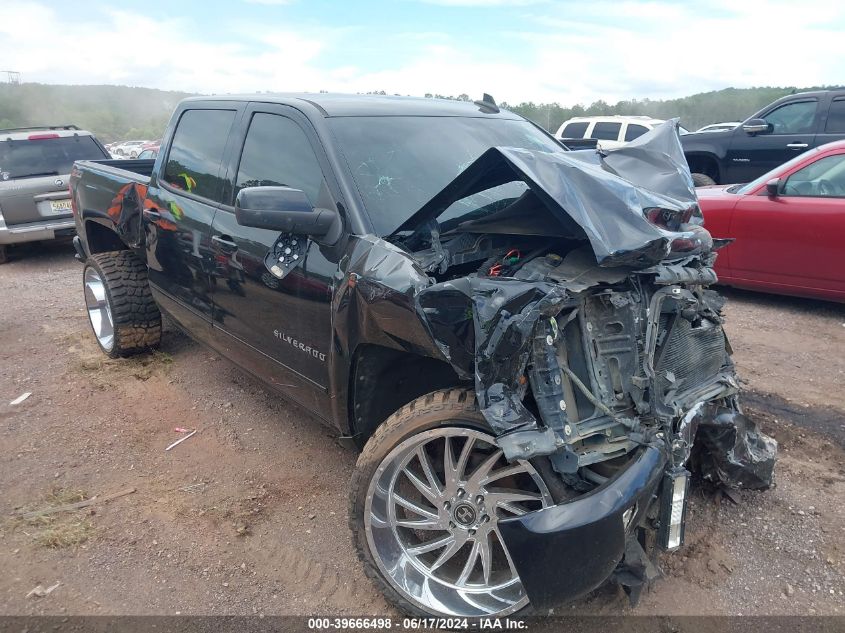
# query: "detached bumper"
[[36, 231], [567, 550]]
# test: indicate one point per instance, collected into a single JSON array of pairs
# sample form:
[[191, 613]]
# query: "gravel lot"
[[249, 515]]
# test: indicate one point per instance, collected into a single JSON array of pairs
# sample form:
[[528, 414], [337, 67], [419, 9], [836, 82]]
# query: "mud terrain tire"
[[135, 316], [702, 180]]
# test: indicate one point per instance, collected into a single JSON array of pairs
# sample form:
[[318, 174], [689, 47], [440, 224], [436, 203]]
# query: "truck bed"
[[121, 169], [110, 192]]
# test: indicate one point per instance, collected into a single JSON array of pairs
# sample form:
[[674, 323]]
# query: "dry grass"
[[62, 529]]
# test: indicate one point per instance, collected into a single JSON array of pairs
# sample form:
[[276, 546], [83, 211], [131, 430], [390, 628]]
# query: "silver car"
[[35, 164]]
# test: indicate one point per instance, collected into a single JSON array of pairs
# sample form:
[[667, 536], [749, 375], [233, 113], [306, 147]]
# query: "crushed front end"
[[596, 344]]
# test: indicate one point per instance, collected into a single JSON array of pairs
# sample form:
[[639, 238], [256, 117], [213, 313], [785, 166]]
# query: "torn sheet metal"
[[731, 449], [605, 195], [484, 327]]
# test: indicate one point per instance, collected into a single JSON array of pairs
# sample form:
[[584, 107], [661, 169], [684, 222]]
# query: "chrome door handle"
[[798, 145]]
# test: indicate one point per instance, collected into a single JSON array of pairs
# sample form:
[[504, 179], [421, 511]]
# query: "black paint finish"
[[567, 550]]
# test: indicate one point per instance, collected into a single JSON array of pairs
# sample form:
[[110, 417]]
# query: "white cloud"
[[484, 3], [573, 53]]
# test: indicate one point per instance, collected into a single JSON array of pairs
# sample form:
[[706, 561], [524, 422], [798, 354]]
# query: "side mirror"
[[755, 126], [773, 187], [288, 211]]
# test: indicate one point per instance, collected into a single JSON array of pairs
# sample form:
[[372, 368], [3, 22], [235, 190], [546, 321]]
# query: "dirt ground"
[[249, 515]]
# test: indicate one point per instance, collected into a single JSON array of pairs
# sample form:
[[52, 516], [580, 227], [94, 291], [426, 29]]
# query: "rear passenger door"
[[279, 329], [833, 128], [180, 206]]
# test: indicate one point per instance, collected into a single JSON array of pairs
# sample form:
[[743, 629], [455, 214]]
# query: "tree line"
[[117, 113]]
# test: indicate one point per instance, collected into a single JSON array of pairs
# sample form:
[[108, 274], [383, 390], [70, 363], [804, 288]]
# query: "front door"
[[792, 131], [795, 238], [178, 212], [281, 329]]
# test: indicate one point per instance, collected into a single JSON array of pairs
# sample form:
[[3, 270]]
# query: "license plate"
[[60, 206]]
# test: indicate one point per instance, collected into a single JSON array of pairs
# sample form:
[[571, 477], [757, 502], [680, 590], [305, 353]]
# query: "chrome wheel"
[[431, 520], [99, 312]]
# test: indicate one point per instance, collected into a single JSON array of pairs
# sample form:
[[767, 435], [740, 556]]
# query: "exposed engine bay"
[[588, 332]]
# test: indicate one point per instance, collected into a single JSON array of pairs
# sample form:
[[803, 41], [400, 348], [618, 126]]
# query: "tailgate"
[[34, 199]]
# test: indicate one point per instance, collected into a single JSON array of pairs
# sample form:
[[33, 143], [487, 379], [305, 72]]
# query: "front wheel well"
[[704, 164], [384, 380]]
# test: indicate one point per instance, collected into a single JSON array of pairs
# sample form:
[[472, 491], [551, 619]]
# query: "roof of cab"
[[340, 105], [41, 131]]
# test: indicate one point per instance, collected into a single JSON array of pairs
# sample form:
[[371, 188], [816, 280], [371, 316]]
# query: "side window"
[[824, 178], [606, 131], [836, 117], [635, 131], [793, 118], [196, 152], [277, 153], [575, 130]]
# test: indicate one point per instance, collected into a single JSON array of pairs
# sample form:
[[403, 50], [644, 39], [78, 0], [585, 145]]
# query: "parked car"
[[149, 152], [719, 127], [789, 226], [772, 136], [131, 149], [523, 363], [609, 131], [35, 164]]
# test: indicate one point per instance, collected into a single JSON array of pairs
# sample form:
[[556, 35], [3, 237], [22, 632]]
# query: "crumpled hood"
[[605, 193]]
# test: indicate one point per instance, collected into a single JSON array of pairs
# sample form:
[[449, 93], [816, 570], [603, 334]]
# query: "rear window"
[[196, 153], [575, 130], [836, 117], [635, 131], [606, 131], [45, 157]]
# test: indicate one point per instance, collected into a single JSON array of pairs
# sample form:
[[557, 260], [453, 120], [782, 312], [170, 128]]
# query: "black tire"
[[448, 407], [135, 314], [702, 180]]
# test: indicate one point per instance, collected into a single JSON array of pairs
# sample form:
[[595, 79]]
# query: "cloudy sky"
[[571, 51]]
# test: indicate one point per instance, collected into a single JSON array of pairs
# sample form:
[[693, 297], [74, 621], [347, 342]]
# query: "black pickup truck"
[[777, 133], [519, 338]]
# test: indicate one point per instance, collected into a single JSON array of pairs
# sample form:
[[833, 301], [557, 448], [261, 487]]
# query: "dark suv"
[[519, 338], [35, 165]]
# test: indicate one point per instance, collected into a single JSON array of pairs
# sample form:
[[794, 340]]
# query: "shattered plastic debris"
[[41, 592], [733, 451], [180, 440], [20, 398]]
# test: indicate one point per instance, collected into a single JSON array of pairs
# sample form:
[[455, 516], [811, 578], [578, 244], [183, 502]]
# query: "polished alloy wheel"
[[99, 312], [432, 516]]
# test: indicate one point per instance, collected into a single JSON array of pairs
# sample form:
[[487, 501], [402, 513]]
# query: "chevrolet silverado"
[[519, 338]]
